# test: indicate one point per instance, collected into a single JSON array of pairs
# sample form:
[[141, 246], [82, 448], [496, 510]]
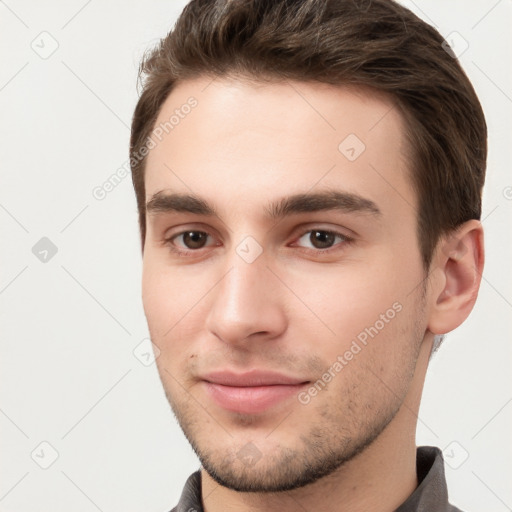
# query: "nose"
[[247, 303]]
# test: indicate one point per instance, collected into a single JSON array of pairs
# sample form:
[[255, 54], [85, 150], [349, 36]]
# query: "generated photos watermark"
[[357, 345]]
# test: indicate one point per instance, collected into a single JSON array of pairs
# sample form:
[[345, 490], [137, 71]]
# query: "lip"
[[251, 392], [252, 378]]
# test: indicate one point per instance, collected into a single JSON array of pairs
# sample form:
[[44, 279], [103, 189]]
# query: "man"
[[308, 176]]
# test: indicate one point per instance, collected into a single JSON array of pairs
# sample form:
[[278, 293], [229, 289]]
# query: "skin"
[[294, 310]]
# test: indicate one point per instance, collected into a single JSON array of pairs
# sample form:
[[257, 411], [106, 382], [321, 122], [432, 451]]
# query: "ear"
[[458, 264]]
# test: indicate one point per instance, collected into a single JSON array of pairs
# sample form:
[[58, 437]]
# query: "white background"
[[69, 326]]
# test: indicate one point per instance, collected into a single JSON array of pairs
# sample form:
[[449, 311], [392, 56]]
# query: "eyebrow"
[[330, 200]]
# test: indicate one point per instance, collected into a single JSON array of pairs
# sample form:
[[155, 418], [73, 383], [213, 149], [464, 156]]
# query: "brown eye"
[[194, 239], [321, 238]]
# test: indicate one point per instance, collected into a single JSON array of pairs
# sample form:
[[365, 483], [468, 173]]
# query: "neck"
[[379, 479]]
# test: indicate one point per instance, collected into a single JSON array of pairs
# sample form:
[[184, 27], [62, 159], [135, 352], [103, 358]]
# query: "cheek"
[[166, 302], [164, 295], [174, 301], [154, 293], [362, 312], [346, 299]]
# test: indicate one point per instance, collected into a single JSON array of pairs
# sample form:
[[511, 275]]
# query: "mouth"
[[252, 392]]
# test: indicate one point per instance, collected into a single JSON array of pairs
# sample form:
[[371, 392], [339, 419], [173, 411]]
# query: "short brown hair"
[[379, 44]]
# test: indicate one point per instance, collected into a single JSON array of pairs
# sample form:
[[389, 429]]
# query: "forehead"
[[225, 139]]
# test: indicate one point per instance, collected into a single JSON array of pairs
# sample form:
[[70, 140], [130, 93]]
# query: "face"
[[281, 275]]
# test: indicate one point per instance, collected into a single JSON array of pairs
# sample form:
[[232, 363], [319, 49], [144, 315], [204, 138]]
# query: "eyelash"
[[346, 240]]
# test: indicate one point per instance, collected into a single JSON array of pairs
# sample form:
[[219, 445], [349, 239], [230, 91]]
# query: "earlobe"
[[459, 258]]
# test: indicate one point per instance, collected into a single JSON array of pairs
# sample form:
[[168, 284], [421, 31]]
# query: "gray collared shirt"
[[431, 495]]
